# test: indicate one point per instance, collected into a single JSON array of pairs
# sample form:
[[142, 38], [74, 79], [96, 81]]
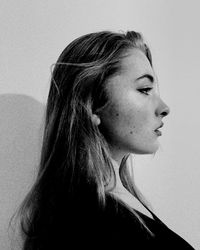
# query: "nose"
[[162, 110]]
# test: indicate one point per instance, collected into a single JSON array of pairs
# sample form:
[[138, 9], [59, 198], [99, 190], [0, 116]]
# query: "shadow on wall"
[[21, 131]]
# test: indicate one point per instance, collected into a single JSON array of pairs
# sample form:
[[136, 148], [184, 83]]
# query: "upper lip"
[[161, 125]]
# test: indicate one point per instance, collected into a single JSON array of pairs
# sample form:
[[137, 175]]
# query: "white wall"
[[33, 34]]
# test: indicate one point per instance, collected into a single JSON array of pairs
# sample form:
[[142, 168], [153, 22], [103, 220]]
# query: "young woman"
[[102, 107]]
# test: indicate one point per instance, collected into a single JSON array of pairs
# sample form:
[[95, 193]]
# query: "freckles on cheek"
[[136, 122]]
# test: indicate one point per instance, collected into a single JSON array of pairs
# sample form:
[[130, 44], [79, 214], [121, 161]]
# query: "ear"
[[96, 119]]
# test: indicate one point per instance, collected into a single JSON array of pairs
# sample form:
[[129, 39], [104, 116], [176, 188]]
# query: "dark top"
[[114, 227], [126, 231]]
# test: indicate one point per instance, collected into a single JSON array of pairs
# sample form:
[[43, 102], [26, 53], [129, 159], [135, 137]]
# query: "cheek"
[[133, 120], [125, 120]]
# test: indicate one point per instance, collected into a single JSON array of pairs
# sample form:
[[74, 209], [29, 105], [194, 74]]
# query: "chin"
[[151, 149]]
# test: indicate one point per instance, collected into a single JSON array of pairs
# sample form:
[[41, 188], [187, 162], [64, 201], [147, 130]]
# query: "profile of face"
[[135, 112]]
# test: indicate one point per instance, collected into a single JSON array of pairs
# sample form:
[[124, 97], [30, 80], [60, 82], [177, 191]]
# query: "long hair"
[[75, 163]]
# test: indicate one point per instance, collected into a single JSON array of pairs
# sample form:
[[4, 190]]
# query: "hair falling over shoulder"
[[75, 165]]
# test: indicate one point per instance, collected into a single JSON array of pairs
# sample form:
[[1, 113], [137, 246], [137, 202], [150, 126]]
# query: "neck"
[[123, 194], [119, 187]]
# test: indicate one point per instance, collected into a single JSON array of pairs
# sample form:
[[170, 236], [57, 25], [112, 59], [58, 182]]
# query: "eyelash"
[[145, 91]]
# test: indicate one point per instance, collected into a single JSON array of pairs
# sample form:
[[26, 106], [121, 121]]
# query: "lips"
[[161, 125], [157, 131]]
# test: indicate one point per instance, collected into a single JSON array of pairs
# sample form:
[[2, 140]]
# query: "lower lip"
[[158, 132]]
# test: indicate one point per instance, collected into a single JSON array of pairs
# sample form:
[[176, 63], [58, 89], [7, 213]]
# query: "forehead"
[[136, 63]]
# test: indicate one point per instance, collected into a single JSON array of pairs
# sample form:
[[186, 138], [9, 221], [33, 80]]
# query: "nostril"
[[165, 112], [162, 109]]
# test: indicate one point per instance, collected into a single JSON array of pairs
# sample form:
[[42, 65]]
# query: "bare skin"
[[135, 112]]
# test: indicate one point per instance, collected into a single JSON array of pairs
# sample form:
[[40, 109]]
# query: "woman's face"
[[136, 110]]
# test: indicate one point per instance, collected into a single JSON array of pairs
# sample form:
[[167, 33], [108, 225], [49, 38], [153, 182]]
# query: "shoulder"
[[121, 224]]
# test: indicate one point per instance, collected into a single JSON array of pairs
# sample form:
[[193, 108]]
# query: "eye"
[[145, 90]]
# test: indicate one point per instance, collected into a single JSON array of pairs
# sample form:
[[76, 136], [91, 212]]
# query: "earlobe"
[[96, 120]]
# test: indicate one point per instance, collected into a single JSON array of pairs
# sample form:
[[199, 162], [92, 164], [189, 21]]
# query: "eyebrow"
[[148, 76]]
